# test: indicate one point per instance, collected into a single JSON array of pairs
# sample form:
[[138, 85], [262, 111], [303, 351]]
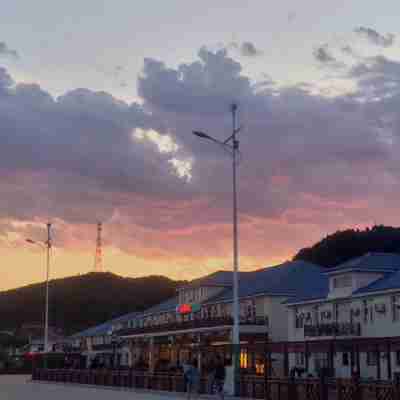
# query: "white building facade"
[[353, 327]]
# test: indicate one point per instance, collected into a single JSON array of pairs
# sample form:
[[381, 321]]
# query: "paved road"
[[20, 388]]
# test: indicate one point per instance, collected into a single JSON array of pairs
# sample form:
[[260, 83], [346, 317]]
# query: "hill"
[[344, 245], [81, 301]]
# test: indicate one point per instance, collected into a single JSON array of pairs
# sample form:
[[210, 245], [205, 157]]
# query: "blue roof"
[[292, 278], [104, 328], [386, 263], [165, 306], [218, 278], [388, 282], [370, 262], [97, 330]]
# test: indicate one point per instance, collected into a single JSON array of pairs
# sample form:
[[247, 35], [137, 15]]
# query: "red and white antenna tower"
[[98, 258]]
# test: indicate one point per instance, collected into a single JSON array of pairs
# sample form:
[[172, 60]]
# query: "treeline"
[[82, 301], [344, 245]]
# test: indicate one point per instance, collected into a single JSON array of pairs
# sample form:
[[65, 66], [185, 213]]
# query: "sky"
[[98, 100]]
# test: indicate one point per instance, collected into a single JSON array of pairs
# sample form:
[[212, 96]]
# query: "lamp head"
[[201, 135]]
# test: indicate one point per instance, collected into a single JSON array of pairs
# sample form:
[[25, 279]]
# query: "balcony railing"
[[334, 329], [192, 324]]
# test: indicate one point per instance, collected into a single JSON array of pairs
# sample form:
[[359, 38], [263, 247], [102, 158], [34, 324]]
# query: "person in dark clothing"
[[219, 377], [210, 370]]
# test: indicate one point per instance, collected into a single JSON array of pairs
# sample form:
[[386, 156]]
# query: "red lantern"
[[184, 309]]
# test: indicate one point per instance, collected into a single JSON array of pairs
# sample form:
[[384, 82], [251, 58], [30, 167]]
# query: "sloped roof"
[[165, 306], [388, 282], [386, 263], [104, 328], [218, 278], [370, 262], [97, 330], [292, 278]]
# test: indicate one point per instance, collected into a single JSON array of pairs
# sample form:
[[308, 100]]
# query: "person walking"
[[210, 370], [219, 377], [193, 380]]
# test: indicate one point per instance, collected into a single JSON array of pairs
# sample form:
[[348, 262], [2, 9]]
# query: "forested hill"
[[82, 301], [344, 245]]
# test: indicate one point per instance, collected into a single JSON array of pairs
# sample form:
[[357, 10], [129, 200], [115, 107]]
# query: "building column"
[[358, 361], [389, 361], [286, 361], [306, 359], [151, 355], [378, 363], [331, 361]]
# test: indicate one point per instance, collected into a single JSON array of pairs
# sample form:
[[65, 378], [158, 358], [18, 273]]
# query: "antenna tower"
[[98, 258]]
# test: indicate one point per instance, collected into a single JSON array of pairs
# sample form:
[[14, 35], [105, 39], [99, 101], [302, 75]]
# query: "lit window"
[[243, 358]]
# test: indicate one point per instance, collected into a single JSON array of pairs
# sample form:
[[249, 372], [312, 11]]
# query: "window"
[[243, 358], [321, 361], [395, 308], [299, 359], [342, 281], [316, 315], [345, 359], [371, 313], [299, 319], [336, 311], [365, 311], [371, 358]]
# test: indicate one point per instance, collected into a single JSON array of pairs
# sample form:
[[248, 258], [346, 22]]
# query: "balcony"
[[191, 324], [334, 329]]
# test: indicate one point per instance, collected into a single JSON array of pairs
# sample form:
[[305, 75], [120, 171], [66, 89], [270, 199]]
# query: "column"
[[286, 361], [331, 361], [358, 361], [307, 363], [151, 355], [389, 361], [378, 363]]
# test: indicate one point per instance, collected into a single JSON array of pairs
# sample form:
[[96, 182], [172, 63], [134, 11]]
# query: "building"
[[351, 324], [198, 321], [101, 347]]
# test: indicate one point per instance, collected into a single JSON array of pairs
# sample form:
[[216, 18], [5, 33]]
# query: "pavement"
[[20, 387]]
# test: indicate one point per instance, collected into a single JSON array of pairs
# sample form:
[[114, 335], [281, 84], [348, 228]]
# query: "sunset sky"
[[98, 100]]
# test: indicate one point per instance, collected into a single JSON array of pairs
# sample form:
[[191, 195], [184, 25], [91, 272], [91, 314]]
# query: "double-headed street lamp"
[[232, 144], [47, 245]]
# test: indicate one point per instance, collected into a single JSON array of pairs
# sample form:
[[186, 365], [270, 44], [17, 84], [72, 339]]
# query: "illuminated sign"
[[187, 308]]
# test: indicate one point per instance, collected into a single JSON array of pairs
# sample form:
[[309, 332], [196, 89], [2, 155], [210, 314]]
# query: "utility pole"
[[98, 258], [46, 324], [236, 311], [232, 144]]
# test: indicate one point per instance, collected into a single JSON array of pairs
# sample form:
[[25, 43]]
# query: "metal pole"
[[46, 325], [236, 316]]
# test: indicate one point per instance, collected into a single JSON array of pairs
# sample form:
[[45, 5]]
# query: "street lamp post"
[[232, 144], [47, 244]]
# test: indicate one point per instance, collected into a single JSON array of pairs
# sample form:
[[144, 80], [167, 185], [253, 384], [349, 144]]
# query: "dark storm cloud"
[[78, 148], [289, 133], [348, 50], [323, 55], [375, 37], [5, 51], [246, 49], [377, 76], [83, 135]]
